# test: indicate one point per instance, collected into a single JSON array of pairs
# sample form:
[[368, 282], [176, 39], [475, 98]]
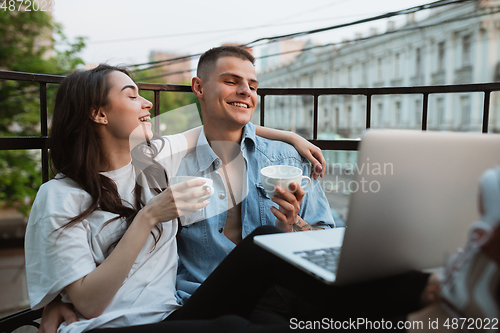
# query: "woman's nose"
[[147, 104]]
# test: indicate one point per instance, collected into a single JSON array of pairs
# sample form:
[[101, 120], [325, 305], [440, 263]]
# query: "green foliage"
[[27, 45], [19, 178]]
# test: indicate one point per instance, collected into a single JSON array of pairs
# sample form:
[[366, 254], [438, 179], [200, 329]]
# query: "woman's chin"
[[140, 134]]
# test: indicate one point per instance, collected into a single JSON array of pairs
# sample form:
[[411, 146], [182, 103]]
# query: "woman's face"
[[127, 113]]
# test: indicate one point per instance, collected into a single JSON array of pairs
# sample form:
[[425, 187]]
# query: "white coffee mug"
[[282, 175], [209, 184]]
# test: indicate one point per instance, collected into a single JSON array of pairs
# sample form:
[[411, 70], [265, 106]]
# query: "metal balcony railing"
[[41, 142]]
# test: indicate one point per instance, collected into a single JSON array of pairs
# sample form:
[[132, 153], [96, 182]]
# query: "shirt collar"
[[204, 153], [206, 156], [248, 135]]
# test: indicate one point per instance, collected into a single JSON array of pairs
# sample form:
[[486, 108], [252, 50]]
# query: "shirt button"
[[217, 163], [221, 230], [222, 195]]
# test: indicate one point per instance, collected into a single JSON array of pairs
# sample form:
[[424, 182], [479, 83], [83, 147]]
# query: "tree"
[[26, 45]]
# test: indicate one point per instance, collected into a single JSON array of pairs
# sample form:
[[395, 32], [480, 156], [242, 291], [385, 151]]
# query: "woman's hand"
[[177, 201], [312, 153], [93, 293]]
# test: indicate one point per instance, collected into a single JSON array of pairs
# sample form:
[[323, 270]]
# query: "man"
[[229, 152]]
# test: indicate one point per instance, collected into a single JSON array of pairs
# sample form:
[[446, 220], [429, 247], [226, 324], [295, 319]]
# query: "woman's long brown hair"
[[75, 150]]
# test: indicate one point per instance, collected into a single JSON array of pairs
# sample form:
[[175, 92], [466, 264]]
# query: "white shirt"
[[57, 257]]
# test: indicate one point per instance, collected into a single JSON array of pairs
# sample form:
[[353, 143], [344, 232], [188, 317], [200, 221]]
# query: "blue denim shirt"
[[203, 245]]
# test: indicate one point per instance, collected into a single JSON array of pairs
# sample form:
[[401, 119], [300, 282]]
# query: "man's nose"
[[244, 89]]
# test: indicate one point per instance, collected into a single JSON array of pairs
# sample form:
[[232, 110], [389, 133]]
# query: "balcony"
[[417, 80], [463, 75], [341, 146], [308, 95], [398, 82], [14, 240], [438, 78]]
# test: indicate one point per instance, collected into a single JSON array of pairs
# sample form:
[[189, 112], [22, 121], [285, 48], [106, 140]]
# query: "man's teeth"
[[145, 118], [241, 105]]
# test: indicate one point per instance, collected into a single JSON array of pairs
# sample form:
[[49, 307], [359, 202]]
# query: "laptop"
[[420, 196]]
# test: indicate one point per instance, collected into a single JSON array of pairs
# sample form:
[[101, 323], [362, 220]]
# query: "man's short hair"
[[209, 58]]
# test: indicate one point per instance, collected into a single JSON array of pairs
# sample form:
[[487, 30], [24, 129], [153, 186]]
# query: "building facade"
[[456, 44], [174, 72]]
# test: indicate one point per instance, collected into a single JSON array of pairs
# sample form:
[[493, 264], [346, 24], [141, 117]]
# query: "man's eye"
[[253, 88], [230, 82], [133, 97]]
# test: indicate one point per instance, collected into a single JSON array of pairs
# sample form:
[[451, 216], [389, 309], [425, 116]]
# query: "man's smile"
[[241, 105]]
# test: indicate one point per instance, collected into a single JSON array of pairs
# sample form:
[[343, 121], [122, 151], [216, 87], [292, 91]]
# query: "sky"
[[126, 31]]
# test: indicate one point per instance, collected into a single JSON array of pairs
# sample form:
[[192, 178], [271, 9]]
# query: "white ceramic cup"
[[282, 175], [209, 184]]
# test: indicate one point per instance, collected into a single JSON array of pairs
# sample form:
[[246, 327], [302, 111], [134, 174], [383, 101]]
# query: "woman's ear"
[[99, 116], [197, 87]]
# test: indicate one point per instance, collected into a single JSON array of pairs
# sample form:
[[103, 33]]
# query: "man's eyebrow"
[[237, 76], [129, 86]]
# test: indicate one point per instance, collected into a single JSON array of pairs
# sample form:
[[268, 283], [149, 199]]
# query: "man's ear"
[[197, 87], [99, 116]]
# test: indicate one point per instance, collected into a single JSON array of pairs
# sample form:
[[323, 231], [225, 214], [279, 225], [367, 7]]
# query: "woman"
[[105, 242], [96, 232]]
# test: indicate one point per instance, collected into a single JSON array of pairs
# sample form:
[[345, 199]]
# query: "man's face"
[[230, 93]]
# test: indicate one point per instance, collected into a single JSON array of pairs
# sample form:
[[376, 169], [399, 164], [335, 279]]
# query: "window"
[[362, 115], [441, 54], [364, 74], [465, 110], [418, 112], [380, 115], [349, 117], [326, 119], [396, 66], [440, 112], [379, 69], [418, 62], [466, 51], [283, 116], [397, 113]]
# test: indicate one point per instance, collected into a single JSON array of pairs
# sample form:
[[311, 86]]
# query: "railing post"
[[262, 110], [368, 111], [486, 110], [44, 131], [315, 117], [424, 111]]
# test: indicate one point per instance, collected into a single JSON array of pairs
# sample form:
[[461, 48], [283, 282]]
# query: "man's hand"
[[55, 313], [287, 218]]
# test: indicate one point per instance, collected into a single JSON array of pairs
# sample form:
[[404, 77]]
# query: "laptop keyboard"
[[328, 258]]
